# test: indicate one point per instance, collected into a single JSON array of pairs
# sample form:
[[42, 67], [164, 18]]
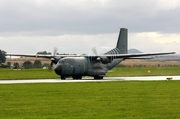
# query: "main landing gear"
[[63, 78], [74, 77], [80, 77], [98, 77], [77, 77]]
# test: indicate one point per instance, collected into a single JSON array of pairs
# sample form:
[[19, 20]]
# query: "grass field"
[[117, 71], [9, 74], [98, 100], [143, 71]]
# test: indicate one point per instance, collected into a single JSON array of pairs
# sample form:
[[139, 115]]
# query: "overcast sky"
[[76, 26]]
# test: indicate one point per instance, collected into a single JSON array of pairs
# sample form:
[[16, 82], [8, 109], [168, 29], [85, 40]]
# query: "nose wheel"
[[63, 77]]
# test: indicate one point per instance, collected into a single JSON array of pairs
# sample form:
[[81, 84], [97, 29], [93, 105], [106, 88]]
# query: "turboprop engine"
[[105, 60]]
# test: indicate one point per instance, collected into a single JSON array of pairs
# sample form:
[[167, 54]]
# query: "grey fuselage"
[[83, 66], [96, 66]]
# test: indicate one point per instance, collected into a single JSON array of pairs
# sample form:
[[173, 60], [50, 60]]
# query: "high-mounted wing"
[[129, 56], [124, 56], [38, 55], [107, 58], [54, 58]]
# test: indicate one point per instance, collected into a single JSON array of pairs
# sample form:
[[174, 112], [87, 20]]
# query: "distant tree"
[[39, 53], [27, 64], [44, 53], [2, 56], [9, 64], [46, 65], [37, 64], [16, 65], [49, 53]]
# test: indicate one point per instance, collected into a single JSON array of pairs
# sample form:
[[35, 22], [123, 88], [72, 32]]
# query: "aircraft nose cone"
[[58, 69]]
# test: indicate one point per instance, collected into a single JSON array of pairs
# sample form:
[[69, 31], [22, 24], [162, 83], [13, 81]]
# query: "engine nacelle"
[[55, 60], [105, 60]]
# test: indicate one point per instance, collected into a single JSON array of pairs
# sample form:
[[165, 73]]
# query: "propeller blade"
[[55, 51], [53, 59], [94, 50], [51, 65]]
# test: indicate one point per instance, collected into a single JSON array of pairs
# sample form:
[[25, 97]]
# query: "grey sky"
[[29, 26]]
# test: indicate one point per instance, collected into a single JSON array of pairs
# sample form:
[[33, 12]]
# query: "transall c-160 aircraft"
[[96, 65]]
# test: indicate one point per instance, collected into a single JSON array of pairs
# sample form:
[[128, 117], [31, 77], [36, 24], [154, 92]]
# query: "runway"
[[106, 79]]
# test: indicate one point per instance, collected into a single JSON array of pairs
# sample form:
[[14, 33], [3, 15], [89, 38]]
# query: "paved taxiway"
[[147, 78]]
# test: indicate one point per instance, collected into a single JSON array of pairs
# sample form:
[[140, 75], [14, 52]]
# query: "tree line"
[[2, 56], [44, 53], [27, 65]]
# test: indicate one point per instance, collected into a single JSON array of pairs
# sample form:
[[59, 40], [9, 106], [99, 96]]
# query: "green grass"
[[142, 71], [27, 74], [98, 100], [9, 74]]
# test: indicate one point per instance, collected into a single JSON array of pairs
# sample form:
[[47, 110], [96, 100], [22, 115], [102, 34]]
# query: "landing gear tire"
[[98, 77], [63, 78], [77, 77]]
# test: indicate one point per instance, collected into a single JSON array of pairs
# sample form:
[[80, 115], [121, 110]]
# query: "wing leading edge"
[[129, 56], [38, 55], [124, 56]]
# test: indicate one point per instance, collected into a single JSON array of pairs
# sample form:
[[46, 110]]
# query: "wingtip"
[[172, 52]]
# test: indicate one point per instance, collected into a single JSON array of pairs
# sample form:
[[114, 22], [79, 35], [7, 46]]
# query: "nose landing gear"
[[63, 78]]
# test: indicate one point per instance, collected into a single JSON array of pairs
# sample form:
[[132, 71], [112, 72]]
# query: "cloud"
[[35, 25], [56, 17], [154, 42], [65, 43], [80, 44]]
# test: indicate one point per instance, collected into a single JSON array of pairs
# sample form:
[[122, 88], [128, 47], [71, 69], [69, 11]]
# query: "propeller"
[[94, 50], [53, 60], [105, 59], [55, 51]]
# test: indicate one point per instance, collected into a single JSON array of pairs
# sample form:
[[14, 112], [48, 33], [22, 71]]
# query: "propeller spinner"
[[53, 60]]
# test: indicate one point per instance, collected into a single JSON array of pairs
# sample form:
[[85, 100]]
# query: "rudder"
[[122, 43], [121, 46]]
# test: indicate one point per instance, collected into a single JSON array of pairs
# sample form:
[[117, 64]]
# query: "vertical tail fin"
[[122, 43]]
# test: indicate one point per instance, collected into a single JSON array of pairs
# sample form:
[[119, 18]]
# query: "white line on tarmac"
[[144, 78]]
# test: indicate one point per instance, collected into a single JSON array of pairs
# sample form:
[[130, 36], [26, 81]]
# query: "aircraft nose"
[[58, 69]]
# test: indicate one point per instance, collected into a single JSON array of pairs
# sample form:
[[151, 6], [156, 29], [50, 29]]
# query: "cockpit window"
[[62, 61]]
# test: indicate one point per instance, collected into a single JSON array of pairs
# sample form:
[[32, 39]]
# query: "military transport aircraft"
[[95, 65]]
